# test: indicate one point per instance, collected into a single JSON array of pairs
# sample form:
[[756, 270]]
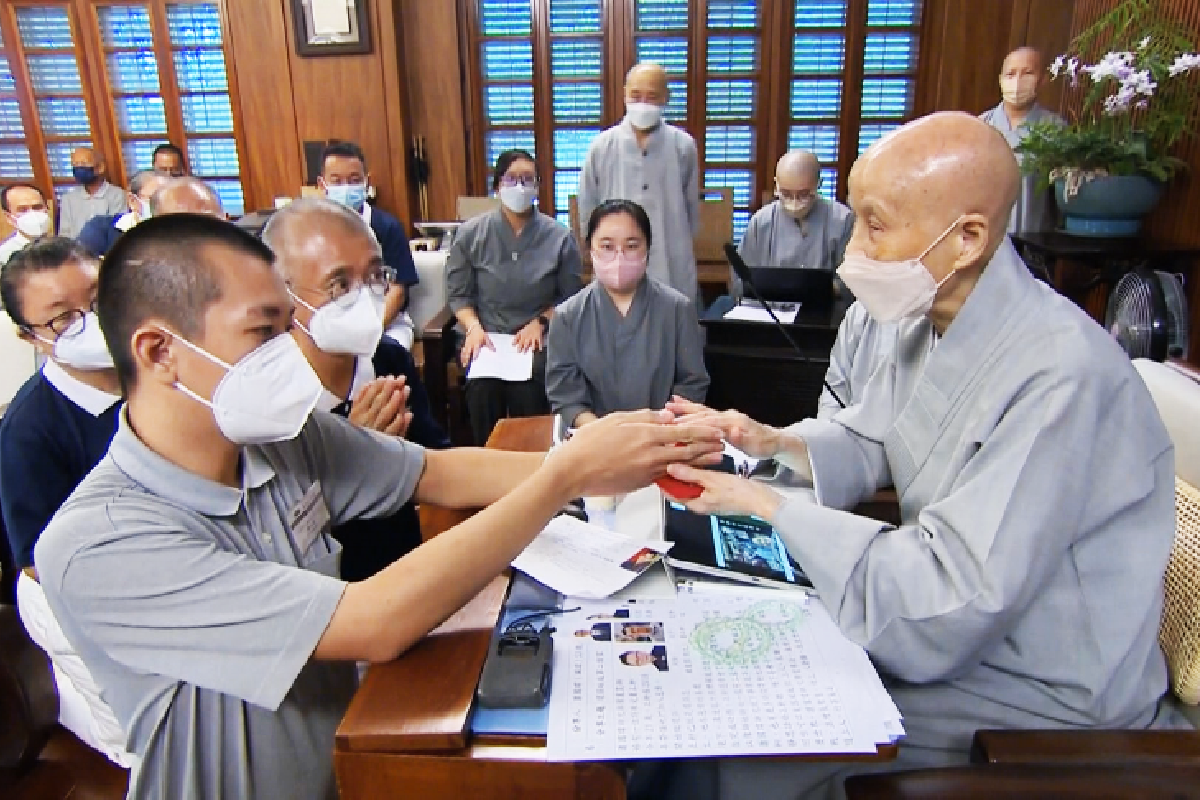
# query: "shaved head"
[[647, 82], [797, 166], [186, 195], [948, 173], [1029, 57]]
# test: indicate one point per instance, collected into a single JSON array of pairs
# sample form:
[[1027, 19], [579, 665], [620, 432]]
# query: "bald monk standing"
[[186, 195], [1024, 586], [654, 164], [1021, 76], [800, 229]]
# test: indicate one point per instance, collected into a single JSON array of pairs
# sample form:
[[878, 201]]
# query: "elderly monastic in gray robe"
[[862, 345], [1024, 586], [1034, 210], [664, 179], [599, 361], [775, 239]]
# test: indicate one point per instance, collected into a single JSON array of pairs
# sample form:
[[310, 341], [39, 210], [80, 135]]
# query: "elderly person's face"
[[324, 261]]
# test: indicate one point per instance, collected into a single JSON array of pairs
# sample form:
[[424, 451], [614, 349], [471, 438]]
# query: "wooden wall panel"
[[259, 45], [433, 78], [961, 52]]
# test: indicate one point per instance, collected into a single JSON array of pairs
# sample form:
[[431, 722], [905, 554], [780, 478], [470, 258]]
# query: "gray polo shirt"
[[509, 279], [197, 606], [79, 205]]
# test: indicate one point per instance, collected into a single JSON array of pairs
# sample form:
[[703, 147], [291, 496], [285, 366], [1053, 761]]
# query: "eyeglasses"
[[630, 247], [802, 197], [67, 324], [341, 288], [518, 180]]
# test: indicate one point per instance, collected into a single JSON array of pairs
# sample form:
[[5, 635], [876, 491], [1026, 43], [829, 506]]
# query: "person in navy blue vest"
[[57, 427], [339, 283], [344, 179]]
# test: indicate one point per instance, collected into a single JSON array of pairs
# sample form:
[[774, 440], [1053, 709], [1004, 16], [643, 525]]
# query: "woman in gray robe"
[[627, 341]]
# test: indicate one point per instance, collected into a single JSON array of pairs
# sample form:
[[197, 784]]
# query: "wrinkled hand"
[[727, 494], [752, 438], [626, 451], [529, 338], [382, 405], [476, 340]]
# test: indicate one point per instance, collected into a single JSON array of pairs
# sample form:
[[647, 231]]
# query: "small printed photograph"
[[599, 632], [641, 559], [620, 613], [640, 632], [657, 658]]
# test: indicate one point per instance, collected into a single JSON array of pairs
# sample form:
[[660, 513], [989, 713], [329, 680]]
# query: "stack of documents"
[[754, 312], [715, 671], [505, 362]]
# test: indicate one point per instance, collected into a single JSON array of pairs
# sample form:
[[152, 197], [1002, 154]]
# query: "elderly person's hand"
[[727, 494]]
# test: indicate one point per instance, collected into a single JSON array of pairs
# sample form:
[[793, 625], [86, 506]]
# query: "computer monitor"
[[812, 288]]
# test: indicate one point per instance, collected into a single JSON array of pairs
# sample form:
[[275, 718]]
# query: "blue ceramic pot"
[[1110, 206]]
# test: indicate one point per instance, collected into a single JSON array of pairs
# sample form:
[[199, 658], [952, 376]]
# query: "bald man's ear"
[[976, 236], [154, 353]]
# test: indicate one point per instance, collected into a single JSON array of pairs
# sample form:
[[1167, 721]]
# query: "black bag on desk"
[[517, 671]]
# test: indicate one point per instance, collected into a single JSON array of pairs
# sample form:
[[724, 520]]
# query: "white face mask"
[[893, 290], [518, 199], [1019, 91], [33, 224], [796, 209], [265, 397], [350, 325], [643, 116], [82, 345]]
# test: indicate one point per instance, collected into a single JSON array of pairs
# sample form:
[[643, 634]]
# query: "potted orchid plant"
[[1136, 71]]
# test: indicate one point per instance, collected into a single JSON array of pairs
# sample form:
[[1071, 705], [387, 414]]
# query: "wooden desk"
[[407, 731], [755, 370]]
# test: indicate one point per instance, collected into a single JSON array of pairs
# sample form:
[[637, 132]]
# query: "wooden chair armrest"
[[1068, 746], [1019, 781]]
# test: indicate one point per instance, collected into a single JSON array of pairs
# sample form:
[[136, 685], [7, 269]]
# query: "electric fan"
[[1147, 314]]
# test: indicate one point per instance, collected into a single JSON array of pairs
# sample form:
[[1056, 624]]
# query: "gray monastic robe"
[[599, 361], [775, 239], [1034, 210], [1025, 586], [664, 179], [862, 344], [509, 279]]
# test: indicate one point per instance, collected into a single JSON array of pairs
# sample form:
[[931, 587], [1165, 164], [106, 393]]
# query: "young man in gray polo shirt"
[[193, 568]]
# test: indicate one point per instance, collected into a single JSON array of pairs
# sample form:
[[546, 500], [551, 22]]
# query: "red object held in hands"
[[679, 489]]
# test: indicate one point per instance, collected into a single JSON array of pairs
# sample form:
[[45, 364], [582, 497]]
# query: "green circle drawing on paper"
[[777, 613], [737, 641]]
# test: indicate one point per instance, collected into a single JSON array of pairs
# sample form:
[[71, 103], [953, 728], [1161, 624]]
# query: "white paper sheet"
[[583, 560], [731, 671], [759, 314], [330, 17], [505, 362]]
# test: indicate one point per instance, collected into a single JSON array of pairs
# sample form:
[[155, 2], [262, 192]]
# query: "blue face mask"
[[351, 195], [84, 174]]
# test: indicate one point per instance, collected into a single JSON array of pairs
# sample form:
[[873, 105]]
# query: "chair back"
[[1177, 396], [716, 224], [428, 297], [468, 207]]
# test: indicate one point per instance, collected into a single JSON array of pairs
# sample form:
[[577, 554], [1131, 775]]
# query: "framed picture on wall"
[[331, 27]]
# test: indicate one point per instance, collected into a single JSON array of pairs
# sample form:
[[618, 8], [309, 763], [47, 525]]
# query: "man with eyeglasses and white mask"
[[344, 179], [25, 210], [799, 229], [1023, 587], [1021, 76], [654, 164], [193, 568], [56, 429], [335, 273]]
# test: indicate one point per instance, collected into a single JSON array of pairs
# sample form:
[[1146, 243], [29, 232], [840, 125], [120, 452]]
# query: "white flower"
[[1140, 83], [1144, 43], [1114, 65], [1057, 66], [1185, 62], [1119, 103]]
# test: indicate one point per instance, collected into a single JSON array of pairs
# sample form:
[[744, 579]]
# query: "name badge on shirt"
[[308, 518]]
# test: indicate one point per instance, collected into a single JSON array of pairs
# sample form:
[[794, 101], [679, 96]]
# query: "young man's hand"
[[626, 451]]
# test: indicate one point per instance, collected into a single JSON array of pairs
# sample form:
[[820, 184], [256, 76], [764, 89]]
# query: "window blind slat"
[[505, 17], [869, 134], [820, 13], [499, 141], [893, 12], [577, 58], [63, 116], [740, 180], [201, 70], [732, 54], [820, 140], [7, 82], [733, 13], [571, 146], [819, 53], [125, 26], [816, 98], [133, 72], [730, 100], [729, 143], [890, 52], [886, 97], [508, 105], [505, 60], [575, 16], [213, 157], [46, 27], [140, 114], [662, 15], [14, 162], [10, 118], [194, 25], [577, 102], [206, 113], [54, 74]]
